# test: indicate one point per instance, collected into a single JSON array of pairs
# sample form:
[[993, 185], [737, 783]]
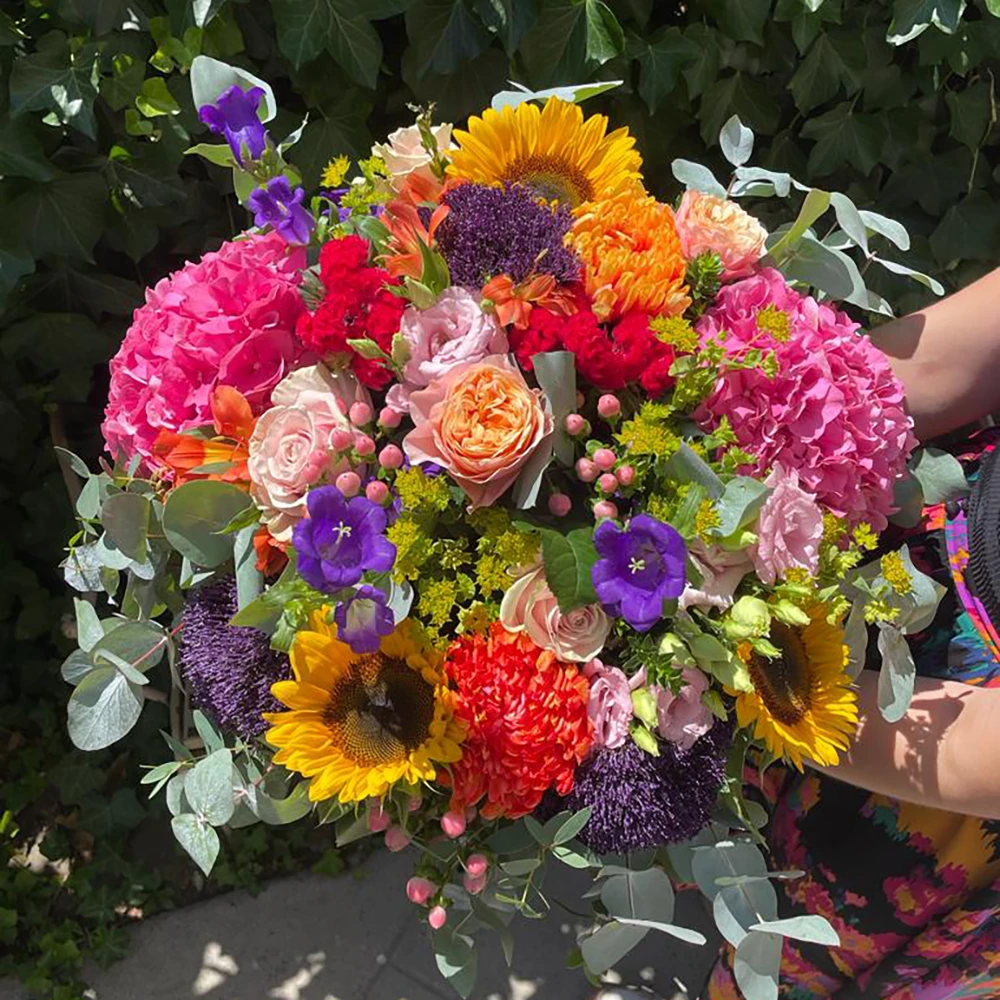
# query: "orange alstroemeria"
[[271, 557], [513, 303], [233, 422], [407, 233]]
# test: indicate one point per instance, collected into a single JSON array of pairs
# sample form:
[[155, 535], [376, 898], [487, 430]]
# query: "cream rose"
[[530, 606], [290, 448], [404, 153]]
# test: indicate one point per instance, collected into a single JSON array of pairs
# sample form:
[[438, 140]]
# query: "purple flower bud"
[[276, 205], [363, 619], [235, 116]]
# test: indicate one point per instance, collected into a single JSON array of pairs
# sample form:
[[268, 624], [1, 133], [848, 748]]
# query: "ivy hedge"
[[892, 101]]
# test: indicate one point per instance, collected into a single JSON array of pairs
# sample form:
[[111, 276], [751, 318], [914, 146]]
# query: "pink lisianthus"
[[706, 222], [682, 718], [530, 606], [610, 703], [292, 448], [721, 573], [834, 411], [789, 529], [227, 319], [451, 332]]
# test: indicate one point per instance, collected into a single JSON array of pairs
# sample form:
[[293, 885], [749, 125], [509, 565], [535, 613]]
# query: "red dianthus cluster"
[[609, 360], [357, 306], [526, 722]]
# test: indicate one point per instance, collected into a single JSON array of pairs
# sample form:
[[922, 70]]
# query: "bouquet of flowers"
[[489, 504]]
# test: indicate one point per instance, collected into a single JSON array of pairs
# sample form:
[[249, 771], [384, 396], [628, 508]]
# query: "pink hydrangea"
[[834, 412], [226, 319]]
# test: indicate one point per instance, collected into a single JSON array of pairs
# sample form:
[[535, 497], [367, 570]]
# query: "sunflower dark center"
[[554, 178], [784, 683], [381, 711]]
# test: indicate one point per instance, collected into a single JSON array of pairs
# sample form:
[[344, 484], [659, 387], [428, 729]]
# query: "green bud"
[[367, 348], [711, 700], [420, 295], [790, 614], [673, 646], [644, 706], [400, 350], [749, 617], [645, 740]]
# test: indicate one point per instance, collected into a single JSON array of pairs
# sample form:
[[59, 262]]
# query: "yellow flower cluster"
[[414, 547], [335, 172], [420, 492], [649, 433], [706, 519], [895, 573], [676, 331], [774, 321]]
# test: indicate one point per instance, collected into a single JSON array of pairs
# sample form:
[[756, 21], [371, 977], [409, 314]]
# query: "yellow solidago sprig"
[[650, 432], [335, 172], [502, 549], [422, 493]]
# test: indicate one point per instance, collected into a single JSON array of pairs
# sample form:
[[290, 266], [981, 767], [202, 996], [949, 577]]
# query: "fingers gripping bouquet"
[[492, 505]]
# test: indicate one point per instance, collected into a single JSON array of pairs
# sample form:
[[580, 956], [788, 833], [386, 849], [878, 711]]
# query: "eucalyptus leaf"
[[610, 943], [198, 838], [723, 859], [757, 964], [739, 908], [698, 177], [895, 232], [209, 788], [88, 626], [126, 518], [103, 707], [556, 375], [811, 928], [196, 514], [897, 675], [687, 934], [642, 895], [739, 505], [940, 475], [736, 141], [76, 666], [814, 204], [849, 219], [574, 93], [925, 279], [278, 812]]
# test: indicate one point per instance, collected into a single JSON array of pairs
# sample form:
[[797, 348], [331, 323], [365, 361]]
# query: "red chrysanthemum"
[[526, 719], [358, 305]]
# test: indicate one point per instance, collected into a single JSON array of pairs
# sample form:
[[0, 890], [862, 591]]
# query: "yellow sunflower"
[[802, 705], [552, 149], [360, 722]]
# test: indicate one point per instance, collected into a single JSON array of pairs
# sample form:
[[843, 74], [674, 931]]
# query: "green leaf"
[[155, 98], [196, 513], [21, 154], [209, 788], [687, 466], [54, 79], [356, 46], [697, 176], [605, 38], [736, 141], [89, 630], [571, 827], [971, 113], [744, 21], [221, 156], [146, 177], [757, 964], [814, 204], [205, 10], [443, 34], [14, 265], [340, 129], [126, 518], [278, 812], [610, 943], [911, 18], [198, 838], [103, 707], [64, 217], [103, 16], [970, 230], [897, 674], [568, 561], [811, 928], [661, 59], [833, 61], [738, 94], [640, 895], [509, 19], [554, 49], [844, 135]]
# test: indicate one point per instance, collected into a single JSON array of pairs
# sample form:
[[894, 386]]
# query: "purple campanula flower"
[[641, 566], [341, 540], [235, 115], [278, 206], [363, 619]]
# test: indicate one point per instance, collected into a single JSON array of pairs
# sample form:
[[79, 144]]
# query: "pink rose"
[[291, 447], [451, 332], [529, 606], [721, 573], [706, 222], [482, 423], [789, 529], [610, 704], [682, 718]]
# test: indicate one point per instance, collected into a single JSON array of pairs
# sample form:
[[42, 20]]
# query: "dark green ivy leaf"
[[969, 230], [508, 19], [605, 38], [739, 94], [844, 135], [912, 17], [555, 48], [834, 61], [743, 21], [971, 114], [661, 59], [63, 217], [443, 33]]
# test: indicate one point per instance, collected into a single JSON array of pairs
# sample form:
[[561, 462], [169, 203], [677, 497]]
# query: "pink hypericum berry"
[[586, 470], [396, 839], [364, 445], [626, 475], [341, 439], [390, 457], [575, 424], [377, 492], [609, 406], [388, 417], [474, 884], [453, 824], [605, 508], [349, 483], [378, 818], [438, 917], [560, 504], [608, 483], [361, 414], [605, 458], [477, 864], [419, 890]]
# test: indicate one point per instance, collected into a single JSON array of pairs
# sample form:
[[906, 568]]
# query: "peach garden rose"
[[482, 423], [706, 222]]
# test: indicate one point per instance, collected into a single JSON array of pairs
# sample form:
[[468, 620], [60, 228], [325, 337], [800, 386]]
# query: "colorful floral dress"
[[913, 892]]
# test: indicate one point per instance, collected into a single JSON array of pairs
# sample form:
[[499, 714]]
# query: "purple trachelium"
[[363, 619], [491, 231], [641, 566], [278, 206], [639, 801], [235, 116], [229, 669], [341, 540]]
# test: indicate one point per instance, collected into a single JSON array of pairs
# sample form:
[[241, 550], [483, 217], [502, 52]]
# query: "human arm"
[[948, 357], [943, 753]]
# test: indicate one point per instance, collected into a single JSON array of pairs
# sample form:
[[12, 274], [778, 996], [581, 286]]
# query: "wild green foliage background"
[[891, 101]]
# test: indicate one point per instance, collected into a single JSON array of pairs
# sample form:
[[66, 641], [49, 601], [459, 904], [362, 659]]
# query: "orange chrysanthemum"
[[526, 719], [632, 258]]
